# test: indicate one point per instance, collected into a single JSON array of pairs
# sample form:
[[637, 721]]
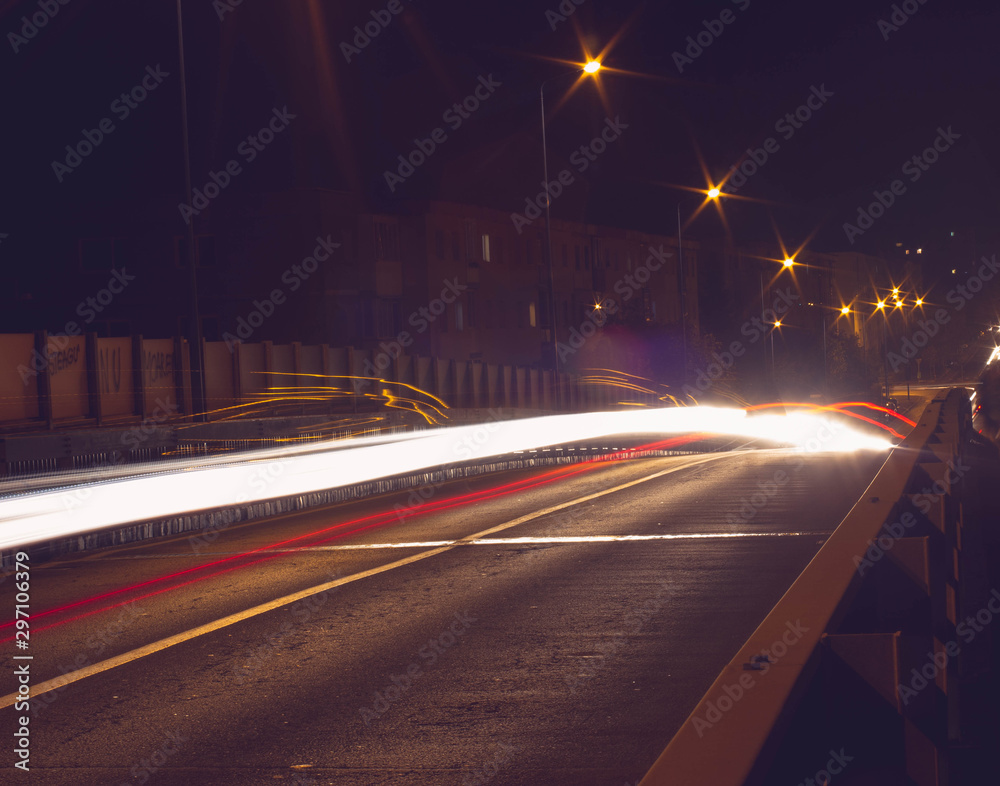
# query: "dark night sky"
[[353, 119]]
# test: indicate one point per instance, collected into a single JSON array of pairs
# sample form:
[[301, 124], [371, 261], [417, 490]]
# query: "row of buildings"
[[438, 279]]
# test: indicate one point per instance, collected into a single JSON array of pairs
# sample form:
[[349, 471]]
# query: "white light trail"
[[205, 485]]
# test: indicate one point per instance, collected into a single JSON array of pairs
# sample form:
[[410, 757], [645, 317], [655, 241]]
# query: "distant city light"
[[713, 193], [788, 262], [845, 310], [592, 67]]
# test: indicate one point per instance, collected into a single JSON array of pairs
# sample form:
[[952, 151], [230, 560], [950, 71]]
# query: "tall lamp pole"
[[590, 68], [197, 358]]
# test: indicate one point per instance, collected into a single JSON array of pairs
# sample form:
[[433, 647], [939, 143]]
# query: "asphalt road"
[[507, 638]]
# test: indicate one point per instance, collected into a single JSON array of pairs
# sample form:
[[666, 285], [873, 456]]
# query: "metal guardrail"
[[856, 666]]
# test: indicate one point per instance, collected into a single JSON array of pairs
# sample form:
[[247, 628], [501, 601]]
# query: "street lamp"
[[592, 67], [197, 358], [788, 262], [712, 193]]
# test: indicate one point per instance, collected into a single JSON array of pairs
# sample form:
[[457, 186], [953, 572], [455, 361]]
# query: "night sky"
[[888, 91]]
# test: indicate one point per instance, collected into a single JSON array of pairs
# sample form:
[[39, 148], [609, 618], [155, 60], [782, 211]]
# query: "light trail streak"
[[52, 514]]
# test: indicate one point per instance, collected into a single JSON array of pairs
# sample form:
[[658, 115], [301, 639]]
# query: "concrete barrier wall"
[[18, 378], [69, 386], [57, 380], [115, 377]]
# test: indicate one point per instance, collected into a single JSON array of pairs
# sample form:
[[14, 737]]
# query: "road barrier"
[[860, 657], [58, 381]]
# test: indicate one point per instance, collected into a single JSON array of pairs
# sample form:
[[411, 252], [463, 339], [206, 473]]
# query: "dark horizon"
[[886, 94]]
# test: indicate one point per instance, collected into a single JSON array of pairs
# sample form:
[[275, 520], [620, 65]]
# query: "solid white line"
[[232, 619], [427, 544]]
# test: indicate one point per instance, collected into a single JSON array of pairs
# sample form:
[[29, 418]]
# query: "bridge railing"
[[857, 665]]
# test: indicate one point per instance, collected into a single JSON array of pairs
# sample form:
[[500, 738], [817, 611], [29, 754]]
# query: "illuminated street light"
[[920, 301], [778, 323], [845, 310], [592, 67], [788, 262], [881, 304], [713, 193]]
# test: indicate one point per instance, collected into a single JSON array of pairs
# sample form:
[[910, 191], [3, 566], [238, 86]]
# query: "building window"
[[206, 250], [472, 317], [459, 318], [456, 247], [576, 250], [386, 240], [439, 243], [532, 316], [486, 248], [470, 240]]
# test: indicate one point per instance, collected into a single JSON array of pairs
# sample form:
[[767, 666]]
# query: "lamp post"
[[591, 67], [197, 357], [712, 193]]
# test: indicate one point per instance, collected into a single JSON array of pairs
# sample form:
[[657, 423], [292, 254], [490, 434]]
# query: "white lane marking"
[[428, 544], [232, 619]]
